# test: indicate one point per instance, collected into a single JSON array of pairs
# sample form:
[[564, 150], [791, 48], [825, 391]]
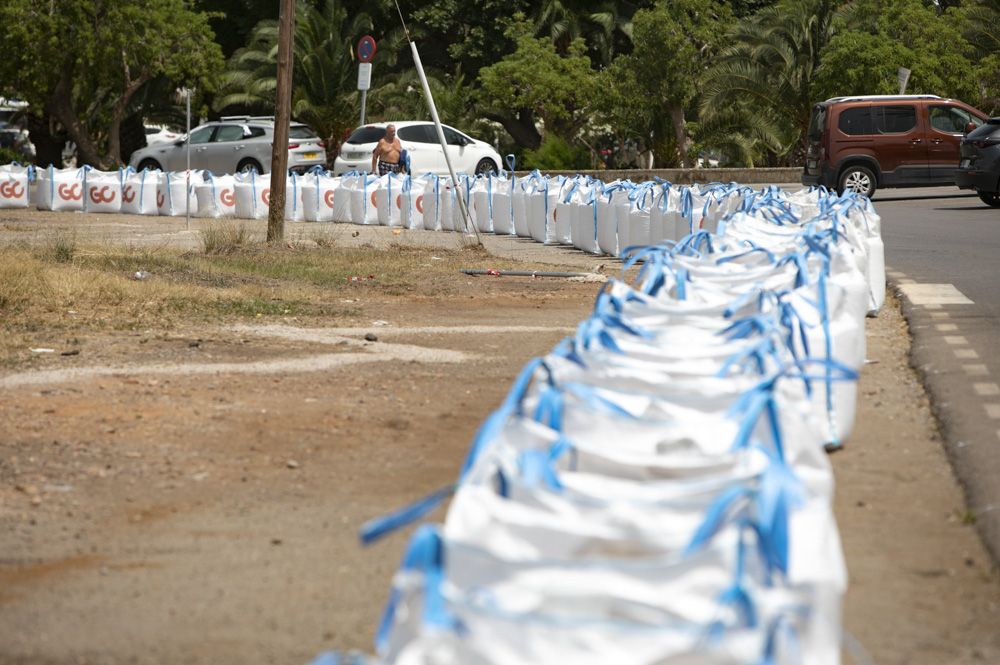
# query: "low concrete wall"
[[690, 176]]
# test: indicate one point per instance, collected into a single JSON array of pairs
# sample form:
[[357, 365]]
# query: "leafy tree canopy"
[[82, 61]]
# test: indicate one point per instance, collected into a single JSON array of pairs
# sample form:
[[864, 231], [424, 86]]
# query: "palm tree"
[[324, 77], [771, 65], [605, 25]]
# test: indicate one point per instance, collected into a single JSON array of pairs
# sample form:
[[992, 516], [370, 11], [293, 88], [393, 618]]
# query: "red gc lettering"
[[103, 195], [226, 197], [265, 196], [420, 204], [328, 198], [11, 190], [70, 192], [128, 194]]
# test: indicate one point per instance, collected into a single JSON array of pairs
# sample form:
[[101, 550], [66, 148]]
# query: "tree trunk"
[[521, 128], [60, 107], [282, 115], [681, 135], [48, 148], [113, 154]]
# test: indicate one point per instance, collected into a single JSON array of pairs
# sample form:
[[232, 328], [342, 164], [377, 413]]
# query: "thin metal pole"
[[522, 273], [187, 186], [364, 100]]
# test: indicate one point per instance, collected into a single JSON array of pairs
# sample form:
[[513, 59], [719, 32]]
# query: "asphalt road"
[[935, 237]]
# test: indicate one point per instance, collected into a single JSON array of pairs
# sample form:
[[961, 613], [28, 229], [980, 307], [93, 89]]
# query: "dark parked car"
[[980, 166], [868, 142]]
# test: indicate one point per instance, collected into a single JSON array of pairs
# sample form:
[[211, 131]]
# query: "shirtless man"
[[387, 153]]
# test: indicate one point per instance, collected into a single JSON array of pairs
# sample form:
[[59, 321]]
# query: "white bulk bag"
[[170, 197], [139, 192], [216, 196], [15, 186], [482, 201], [61, 189], [387, 199], [635, 231], [253, 195], [294, 211], [412, 206], [458, 221], [612, 199], [322, 200], [563, 211], [361, 197], [502, 208], [519, 207], [585, 221], [103, 192], [446, 204]]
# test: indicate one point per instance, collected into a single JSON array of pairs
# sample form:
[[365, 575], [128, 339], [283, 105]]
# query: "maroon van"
[[868, 142]]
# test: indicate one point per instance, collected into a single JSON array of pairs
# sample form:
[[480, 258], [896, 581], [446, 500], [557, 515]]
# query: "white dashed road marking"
[[976, 370], [955, 340], [946, 327], [986, 389], [933, 294], [992, 411], [966, 354]]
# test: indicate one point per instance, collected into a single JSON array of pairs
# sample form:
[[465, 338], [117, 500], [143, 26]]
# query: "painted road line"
[[992, 411], [946, 327], [955, 340], [986, 389], [932, 306], [934, 294], [940, 315], [976, 370], [966, 354]]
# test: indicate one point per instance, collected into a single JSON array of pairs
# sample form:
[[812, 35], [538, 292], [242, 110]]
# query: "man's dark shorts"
[[388, 167]]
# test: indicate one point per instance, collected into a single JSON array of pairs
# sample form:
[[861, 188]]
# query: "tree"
[[535, 82], [80, 62], [325, 73], [770, 67], [982, 30], [653, 89], [605, 25], [879, 36]]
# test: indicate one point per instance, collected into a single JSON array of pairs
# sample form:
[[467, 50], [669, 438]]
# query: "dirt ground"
[[154, 509]]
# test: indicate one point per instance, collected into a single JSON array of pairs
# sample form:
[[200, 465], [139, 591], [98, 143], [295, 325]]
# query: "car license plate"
[[310, 155], [964, 164]]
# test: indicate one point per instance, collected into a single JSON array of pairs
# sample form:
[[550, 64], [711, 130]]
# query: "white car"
[[419, 139]]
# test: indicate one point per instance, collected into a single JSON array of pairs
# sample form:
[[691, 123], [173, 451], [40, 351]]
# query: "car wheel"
[[858, 179], [249, 166], [992, 199], [150, 164], [485, 166]]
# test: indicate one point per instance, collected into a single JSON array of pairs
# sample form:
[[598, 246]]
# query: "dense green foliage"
[[561, 83]]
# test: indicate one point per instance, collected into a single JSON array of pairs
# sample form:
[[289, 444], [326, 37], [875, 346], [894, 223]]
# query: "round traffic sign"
[[366, 48]]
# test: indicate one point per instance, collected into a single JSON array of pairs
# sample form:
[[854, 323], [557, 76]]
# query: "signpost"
[[904, 76], [366, 52]]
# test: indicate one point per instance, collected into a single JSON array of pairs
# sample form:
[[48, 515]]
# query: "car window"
[[228, 133], [300, 132], [952, 119], [253, 132], [417, 134], [857, 120], [452, 137], [152, 130], [817, 122], [366, 134], [202, 134], [894, 119]]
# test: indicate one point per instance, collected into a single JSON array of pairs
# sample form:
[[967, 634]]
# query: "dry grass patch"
[[225, 237]]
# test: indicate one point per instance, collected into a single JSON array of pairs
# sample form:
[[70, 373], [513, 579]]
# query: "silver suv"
[[234, 144]]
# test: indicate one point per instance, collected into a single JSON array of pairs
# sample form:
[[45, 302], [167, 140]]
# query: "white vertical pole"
[[444, 146], [187, 187], [364, 99]]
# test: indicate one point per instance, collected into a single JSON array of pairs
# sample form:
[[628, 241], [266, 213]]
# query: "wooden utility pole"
[[282, 116]]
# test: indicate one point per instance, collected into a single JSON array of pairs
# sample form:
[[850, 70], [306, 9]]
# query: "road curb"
[[975, 465]]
